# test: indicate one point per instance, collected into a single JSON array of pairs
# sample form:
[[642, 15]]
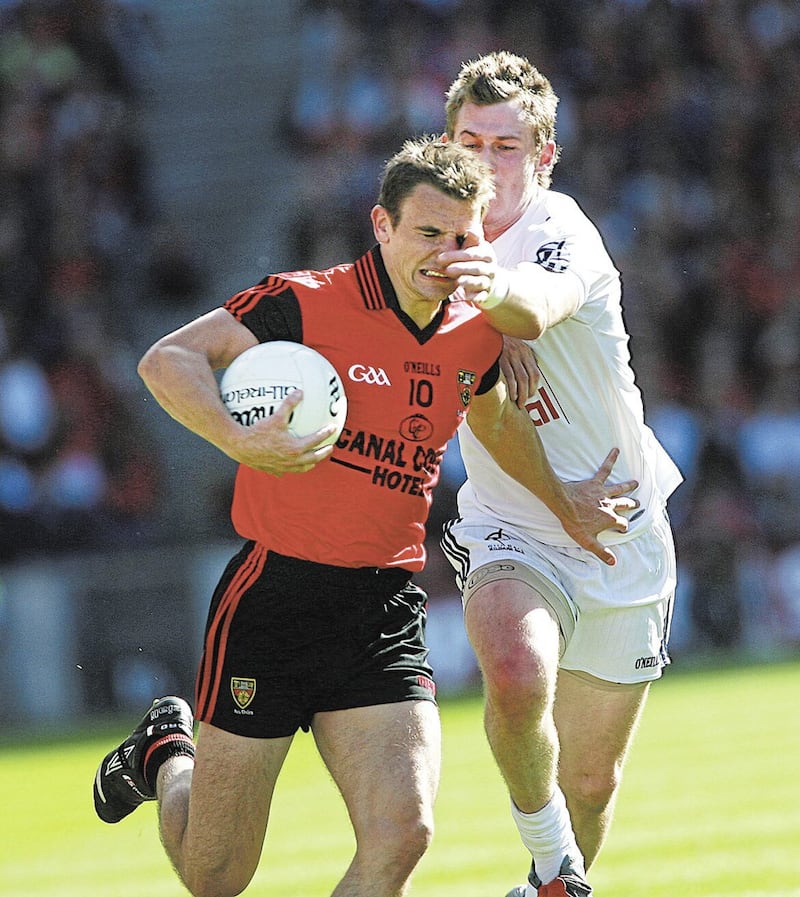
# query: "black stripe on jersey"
[[351, 466], [369, 282], [273, 284], [270, 311], [243, 302], [489, 379]]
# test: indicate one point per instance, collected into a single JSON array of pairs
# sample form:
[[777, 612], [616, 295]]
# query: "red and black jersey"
[[407, 392]]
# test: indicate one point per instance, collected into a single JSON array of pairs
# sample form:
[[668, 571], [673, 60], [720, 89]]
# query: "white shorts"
[[614, 621]]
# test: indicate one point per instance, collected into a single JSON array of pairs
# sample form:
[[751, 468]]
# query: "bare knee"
[[220, 881], [407, 838], [390, 849], [417, 839], [518, 683], [519, 662], [209, 886], [591, 791]]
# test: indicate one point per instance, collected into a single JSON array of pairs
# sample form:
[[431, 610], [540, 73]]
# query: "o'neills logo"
[[243, 691]]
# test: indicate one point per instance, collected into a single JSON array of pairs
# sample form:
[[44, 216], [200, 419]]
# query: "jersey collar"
[[378, 292]]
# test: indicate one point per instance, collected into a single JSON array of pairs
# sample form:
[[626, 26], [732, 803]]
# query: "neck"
[[492, 233], [421, 313], [493, 229]]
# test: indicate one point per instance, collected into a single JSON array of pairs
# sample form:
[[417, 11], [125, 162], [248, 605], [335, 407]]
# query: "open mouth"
[[437, 275]]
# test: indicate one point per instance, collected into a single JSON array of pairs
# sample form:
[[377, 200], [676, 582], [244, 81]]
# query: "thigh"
[[385, 760], [485, 555], [596, 721], [232, 786], [513, 631]]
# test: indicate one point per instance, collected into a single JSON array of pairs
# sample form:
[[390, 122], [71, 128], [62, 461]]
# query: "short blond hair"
[[502, 76]]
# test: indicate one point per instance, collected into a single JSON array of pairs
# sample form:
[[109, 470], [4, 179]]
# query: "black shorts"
[[287, 638]]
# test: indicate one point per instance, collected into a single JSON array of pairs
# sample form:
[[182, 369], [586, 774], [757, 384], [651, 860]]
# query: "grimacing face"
[[430, 222]]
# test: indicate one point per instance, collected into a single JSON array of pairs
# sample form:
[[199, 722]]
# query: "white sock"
[[548, 835]]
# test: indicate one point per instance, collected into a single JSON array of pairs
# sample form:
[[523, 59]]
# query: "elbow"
[[146, 363], [532, 331], [527, 327], [149, 364]]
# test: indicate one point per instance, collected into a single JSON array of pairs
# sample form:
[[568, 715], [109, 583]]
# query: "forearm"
[[526, 301], [512, 440], [183, 383], [179, 371], [514, 444]]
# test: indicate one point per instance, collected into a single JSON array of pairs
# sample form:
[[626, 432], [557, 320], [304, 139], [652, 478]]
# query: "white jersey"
[[587, 401]]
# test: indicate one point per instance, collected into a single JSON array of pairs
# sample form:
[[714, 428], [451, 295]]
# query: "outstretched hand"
[[597, 507], [268, 445]]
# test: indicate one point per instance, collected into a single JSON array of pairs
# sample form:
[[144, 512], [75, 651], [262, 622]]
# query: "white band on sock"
[[548, 835]]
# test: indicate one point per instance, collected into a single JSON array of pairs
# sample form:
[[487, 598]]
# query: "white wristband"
[[499, 291]]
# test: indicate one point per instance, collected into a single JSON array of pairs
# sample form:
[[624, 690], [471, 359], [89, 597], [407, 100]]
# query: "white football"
[[257, 381]]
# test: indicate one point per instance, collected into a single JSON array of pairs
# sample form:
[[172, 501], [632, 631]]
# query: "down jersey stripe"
[[408, 390]]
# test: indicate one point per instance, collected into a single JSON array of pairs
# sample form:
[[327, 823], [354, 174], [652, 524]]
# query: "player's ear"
[[381, 223], [547, 156]]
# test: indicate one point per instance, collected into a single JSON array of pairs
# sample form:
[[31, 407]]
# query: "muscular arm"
[[536, 300], [179, 372], [533, 299], [583, 509]]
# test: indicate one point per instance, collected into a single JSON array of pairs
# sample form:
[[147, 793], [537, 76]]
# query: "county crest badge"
[[466, 379], [243, 691]]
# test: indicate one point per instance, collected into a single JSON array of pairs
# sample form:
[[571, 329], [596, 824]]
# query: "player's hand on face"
[[268, 444], [597, 506], [519, 367], [472, 266]]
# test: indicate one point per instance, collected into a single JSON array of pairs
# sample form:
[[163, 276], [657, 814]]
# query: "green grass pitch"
[[710, 807]]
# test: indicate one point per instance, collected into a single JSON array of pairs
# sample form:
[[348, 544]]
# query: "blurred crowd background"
[[679, 122]]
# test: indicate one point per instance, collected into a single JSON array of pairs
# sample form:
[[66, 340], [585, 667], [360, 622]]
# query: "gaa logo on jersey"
[[243, 691], [362, 373]]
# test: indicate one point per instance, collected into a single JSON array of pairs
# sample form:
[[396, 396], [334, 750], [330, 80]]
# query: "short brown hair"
[[502, 76], [448, 167]]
